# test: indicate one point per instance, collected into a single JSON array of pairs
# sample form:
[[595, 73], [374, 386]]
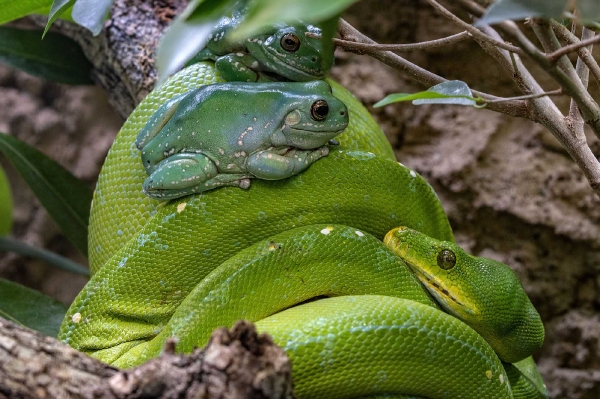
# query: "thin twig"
[[557, 92], [583, 73], [550, 42], [348, 32], [356, 46], [472, 30], [546, 111], [585, 54], [573, 88], [572, 47]]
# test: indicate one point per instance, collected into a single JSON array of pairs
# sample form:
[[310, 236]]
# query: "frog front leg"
[[180, 175], [240, 67], [274, 165]]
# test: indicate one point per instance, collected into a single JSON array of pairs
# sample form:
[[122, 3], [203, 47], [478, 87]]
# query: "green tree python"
[[154, 262]]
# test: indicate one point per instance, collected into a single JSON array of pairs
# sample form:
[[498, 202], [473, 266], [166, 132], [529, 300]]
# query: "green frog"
[[225, 134]]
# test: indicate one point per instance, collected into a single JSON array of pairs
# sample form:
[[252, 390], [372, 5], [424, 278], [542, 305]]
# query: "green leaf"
[[91, 14], [65, 197], [589, 9], [450, 92], [60, 262], [13, 9], [57, 58], [30, 308], [5, 205], [503, 10], [57, 9], [264, 13], [188, 34], [328, 30]]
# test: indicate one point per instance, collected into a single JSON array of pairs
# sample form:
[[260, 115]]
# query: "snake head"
[[483, 293]]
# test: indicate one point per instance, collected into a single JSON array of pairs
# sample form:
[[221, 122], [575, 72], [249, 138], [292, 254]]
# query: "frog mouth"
[[284, 62]]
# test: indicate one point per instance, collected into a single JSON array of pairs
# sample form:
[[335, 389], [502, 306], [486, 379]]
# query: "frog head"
[[314, 116], [287, 51]]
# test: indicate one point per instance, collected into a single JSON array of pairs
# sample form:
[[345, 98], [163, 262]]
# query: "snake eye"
[[319, 110], [290, 43], [446, 259]]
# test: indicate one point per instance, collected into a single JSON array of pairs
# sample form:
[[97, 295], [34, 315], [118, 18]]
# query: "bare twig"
[[573, 88], [348, 32], [550, 43], [556, 92], [356, 46], [584, 53], [472, 30], [583, 73], [572, 47]]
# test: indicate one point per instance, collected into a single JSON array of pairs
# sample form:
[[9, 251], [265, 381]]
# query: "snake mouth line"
[[450, 301]]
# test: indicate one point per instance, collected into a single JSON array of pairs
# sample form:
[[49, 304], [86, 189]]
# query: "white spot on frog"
[[181, 207], [326, 230], [76, 318]]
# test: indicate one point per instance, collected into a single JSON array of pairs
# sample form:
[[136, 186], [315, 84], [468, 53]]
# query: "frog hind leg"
[[180, 175], [158, 120], [240, 67]]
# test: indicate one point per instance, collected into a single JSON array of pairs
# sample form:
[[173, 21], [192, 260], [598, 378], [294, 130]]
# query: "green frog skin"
[[273, 131], [283, 51]]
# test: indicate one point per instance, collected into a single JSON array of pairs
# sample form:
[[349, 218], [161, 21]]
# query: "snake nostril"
[[342, 113], [314, 59]]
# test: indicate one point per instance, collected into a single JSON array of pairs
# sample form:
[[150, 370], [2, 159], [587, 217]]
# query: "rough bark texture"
[[511, 192], [235, 364]]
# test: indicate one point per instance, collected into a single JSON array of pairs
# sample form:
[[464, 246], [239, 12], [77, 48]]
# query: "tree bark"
[[235, 364]]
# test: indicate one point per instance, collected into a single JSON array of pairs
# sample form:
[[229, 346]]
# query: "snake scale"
[[153, 262]]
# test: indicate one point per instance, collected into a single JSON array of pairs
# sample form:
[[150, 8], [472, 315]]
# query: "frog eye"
[[319, 110], [290, 42], [446, 259]]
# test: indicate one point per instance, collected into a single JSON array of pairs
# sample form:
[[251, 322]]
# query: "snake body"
[[153, 262]]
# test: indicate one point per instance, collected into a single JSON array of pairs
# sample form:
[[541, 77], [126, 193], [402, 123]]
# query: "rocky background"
[[511, 192]]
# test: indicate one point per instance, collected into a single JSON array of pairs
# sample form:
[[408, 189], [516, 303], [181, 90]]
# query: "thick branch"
[[236, 364], [123, 53]]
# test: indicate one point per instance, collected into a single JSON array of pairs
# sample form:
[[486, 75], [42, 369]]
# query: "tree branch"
[[584, 53], [236, 364], [356, 46], [572, 47], [348, 32], [472, 30]]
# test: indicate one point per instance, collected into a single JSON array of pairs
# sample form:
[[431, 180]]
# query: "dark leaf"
[[65, 197], [11, 245], [5, 205], [30, 308], [56, 58]]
